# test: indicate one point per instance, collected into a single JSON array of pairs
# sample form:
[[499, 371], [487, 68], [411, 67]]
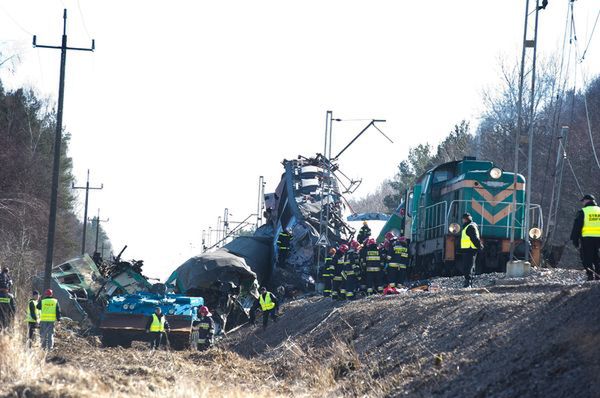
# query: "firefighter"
[[283, 244], [373, 271], [338, 291], [157, 325], [362, 262], [268, 304], [7, 308], [341, 270], [399, 260], [350, 263], [49, 315], [470, 244], [358, 271], [586, 232], [205, 326], [364, 233], [327, 272], [33, 315]]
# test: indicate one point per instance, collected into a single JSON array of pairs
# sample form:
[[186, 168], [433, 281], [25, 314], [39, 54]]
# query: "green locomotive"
[[429, 216]]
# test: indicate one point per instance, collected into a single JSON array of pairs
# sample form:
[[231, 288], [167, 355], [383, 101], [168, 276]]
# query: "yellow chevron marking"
[[494, 199], [492, 219], [477, 185]]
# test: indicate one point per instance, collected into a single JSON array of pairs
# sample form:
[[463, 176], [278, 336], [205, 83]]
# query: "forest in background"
[[27, 128]]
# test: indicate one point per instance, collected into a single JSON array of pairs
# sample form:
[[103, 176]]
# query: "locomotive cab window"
[[442, 175]]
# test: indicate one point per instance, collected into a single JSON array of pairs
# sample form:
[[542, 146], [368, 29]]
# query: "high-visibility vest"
[[37, 312], [465, 241], [4, 300], [48, 313], [265, 302], [591, 222], [157, 325]]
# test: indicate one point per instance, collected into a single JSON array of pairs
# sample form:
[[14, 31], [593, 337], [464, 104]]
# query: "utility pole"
[[97, 220], [225, 224], [85, 211], [524, 131], [323, 242], [57, 145], [261, 201]]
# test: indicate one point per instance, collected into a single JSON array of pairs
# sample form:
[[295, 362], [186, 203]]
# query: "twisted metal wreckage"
[[308, 202]]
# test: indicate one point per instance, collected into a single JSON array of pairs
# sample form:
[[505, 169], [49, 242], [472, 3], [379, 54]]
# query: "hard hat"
[[402, 239], [203, 310], [588, 197], [48, 293], [389, 235], [371, 241], [343, 248], [354, 244]]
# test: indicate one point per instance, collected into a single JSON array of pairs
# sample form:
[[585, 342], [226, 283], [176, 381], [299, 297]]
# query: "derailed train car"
[[429, 216]]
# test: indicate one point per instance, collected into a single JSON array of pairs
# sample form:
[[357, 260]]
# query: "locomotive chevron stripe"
[[477, 185], [494, 199], [492, 219]]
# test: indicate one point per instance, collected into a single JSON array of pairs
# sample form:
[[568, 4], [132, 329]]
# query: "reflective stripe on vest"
[[402, 251], [465, 241], [4, 300], [158, 325], [373, 255], [37, 312], [265, 302], [48, 313], [591, 222]]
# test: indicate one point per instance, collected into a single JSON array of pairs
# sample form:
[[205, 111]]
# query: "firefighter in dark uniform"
[[340, 269], [374, 272], [399, 260], [362, 262], [350, 273], [327, 273], [205, 326], [358, 269], [586, 232], [7, 308], [470, 244], [283, 244], [364, 233], [336, 282]]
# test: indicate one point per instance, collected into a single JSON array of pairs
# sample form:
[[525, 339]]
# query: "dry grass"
[[79, 368]]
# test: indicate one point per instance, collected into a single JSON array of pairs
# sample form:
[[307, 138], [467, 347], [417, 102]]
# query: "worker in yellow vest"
[[470, 244], [157, 325], [267, 302], [33, 315], [7, 308], [49, 315], [586, 233]]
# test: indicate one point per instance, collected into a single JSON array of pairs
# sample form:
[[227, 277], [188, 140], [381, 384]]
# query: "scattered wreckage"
[[115, 296]]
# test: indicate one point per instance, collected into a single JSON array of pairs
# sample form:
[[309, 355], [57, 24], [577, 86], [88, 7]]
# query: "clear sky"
[[185, 104]]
